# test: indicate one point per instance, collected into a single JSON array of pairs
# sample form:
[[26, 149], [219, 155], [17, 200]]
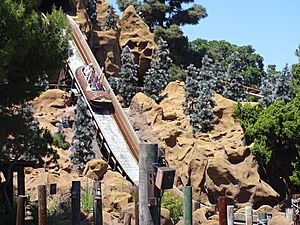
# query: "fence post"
[[249, 215], [75, 195], [230, 214], [263, 218], [148, 156], [222, 210], [127, 219], [21, 181], [42, 205], [98, 219], [187, 214], [289, 213], [20, 209], [136, 205]]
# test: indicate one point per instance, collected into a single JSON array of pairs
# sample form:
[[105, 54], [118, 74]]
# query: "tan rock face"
[[136, 34], [107, 45], [95, 169], [214, 163], [49, 107]]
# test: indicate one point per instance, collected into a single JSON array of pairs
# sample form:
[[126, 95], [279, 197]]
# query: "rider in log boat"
[[92, 86]]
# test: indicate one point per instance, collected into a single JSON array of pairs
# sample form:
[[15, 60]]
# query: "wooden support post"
[[21, 181], [289, 213], [148, 155], [42, 205], [187, 213], [20, 210], [75, 195], [10, 185], [249, 215], [230, 215], [263, 218], [127, 219], [98, 217], [222, 208], [136, 205]]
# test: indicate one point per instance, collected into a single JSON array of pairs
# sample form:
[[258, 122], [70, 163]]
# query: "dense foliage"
[[199, 90], [233, 85], [27, 38], [275, 133], [157, 77], [173, 204], [126, 84], [59, 137], [83, 135], [111, 19], [91, 10], [251, 63], [26, 140], [278, 86]]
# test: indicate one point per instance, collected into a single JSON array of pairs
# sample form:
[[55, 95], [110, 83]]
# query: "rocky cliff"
[[107, 44], [214, 163]]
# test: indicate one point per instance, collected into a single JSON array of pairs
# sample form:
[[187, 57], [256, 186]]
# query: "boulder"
[[95, 169], [279, 219]]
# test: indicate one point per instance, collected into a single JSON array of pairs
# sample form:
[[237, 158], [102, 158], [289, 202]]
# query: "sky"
[[270, 26]]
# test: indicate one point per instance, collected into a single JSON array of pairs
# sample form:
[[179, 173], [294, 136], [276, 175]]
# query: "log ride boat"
[[99, 99]]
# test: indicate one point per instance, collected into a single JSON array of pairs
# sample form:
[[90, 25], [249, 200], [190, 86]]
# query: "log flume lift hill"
[[116, 138]]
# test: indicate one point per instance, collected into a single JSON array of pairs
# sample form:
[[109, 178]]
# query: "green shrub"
[[275, 133], [87, 198], [59, 140], [173, 204]]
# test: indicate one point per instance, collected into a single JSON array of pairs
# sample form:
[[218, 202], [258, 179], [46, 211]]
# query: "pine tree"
[[114, 84], [218, 78], [157, 77], [92, 11], [233, 88], [199, 90], [191, 88], [127, 82], [81, 148], [202, 113], [111, 19], [278, 86]]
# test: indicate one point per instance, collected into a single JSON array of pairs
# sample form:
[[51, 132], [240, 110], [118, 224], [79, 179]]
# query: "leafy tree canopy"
[[31, 47], [275, 133], [251, 63]]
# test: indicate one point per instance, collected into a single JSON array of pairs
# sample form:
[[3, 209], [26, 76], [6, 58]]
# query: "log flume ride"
[[99, 99], [113, 127]]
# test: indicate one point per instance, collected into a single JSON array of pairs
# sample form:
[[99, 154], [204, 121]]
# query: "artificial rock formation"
[[135, 33], [214, 163], [107, 44], [95, 169]]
